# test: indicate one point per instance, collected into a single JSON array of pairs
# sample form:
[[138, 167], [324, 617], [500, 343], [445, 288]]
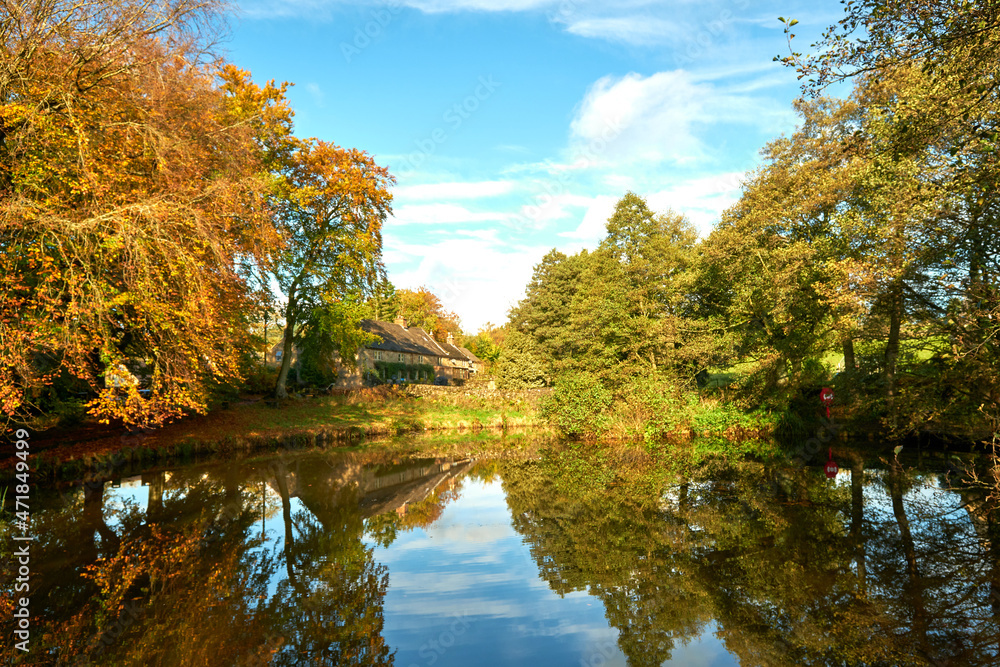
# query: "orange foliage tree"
[[422, 308], [145, 189], [130, 207], [330, 207]]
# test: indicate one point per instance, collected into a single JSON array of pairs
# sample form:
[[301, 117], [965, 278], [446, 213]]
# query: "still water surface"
[[575, 559]]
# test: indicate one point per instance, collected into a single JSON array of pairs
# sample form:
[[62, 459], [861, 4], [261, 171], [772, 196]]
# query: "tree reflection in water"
[[271, 561], [194, 579], [886, 569]]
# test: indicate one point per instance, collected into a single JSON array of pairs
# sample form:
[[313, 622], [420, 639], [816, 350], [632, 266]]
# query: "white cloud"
[[488, 235], [639, 30], [632, 22], [270, 9], [441, 214], [513, 148], [664, 118], [321, 8], [592, 228], [545, 207], [702, 199], [480, 279], [454, 190], [316, 92], [440, 6]]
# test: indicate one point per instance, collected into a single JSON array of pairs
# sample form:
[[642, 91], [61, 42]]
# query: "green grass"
[[322, 421], [723, 417], [369, 415]]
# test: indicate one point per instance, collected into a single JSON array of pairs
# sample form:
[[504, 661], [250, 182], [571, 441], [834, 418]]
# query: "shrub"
[[578, 406], [402, 425], [260, 379], [723, 418], [314, 371], [70, 412], [391, 370], [651, 407]]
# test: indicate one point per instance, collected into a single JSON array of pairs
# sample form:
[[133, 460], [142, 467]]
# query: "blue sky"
[[513, 126]]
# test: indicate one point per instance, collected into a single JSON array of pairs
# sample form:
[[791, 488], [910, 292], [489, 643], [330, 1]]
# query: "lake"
[[576, 558]]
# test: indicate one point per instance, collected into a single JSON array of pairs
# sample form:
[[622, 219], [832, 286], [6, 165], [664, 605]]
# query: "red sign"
[[831, 465], [826, 396]]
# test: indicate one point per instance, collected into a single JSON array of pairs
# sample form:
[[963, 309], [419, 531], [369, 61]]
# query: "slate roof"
[[469, 354], [413, 340]]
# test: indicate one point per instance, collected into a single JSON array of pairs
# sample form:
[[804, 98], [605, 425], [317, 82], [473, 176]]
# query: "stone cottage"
[[404, 353]]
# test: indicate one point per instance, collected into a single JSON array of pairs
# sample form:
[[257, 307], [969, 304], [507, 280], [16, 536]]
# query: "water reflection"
[[575, 559]]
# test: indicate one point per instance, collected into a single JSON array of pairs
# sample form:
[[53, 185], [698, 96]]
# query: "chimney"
[[451, 339], [401, 321]]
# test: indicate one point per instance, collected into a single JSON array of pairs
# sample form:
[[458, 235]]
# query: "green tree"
[[546, 312], [332, 338], [634, 300], [330, 205], [383, 304], [519, 365], [578, 406]]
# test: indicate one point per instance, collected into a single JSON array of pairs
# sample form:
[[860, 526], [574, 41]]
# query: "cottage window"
[[277, 354], [378, 355], [401, 359]]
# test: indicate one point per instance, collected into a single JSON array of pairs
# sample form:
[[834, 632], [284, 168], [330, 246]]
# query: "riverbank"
[[259, 424], [475, 420]]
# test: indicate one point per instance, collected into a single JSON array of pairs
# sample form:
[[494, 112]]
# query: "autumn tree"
[[487, 343], [422, 308], [941, 37], [929, 71], [780, 266], [131, 206], [330, 207]]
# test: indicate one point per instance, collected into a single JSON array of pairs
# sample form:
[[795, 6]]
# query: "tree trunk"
[[850, 363], [979, 280], [93, 515], [154, 506], [281, 481], [849, 382], [280, 390], [265, 337], [892, 347], [231, 483], [993, 533]]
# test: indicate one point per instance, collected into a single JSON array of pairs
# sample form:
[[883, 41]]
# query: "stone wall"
[[481, 391]]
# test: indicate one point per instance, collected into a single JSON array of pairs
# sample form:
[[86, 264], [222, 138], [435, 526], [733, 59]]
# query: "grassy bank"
[[256, 424], [677, 433]]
